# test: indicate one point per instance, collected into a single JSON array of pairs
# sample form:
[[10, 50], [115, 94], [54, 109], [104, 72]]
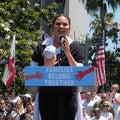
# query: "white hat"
[[27, 95], [49, 51]]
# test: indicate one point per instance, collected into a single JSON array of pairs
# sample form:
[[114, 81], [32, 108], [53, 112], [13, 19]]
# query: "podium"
[[61, 76], [80, 79]]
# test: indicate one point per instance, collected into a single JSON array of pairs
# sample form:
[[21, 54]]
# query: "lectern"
[[79, 79]]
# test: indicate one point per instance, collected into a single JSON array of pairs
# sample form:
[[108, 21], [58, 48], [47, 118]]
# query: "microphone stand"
[[62, 39], [60, 56]]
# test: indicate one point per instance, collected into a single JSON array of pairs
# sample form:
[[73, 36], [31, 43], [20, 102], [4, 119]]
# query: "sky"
[[115, 19]]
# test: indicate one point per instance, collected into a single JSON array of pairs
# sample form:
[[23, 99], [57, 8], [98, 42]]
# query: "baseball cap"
[[105, 103], [49, 51], [27, 95]]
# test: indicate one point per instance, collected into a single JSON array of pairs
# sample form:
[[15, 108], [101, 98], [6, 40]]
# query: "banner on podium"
[[59, 76]]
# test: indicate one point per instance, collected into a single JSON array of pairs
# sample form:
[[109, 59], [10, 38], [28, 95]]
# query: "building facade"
[[75, 9]]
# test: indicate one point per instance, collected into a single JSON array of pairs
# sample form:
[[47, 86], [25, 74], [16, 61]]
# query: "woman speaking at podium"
[[58, 103]]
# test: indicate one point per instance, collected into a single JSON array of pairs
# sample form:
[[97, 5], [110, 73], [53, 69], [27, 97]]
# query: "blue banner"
[[59, 76]]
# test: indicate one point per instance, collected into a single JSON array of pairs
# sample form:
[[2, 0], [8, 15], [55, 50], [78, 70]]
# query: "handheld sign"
[[59, 76]]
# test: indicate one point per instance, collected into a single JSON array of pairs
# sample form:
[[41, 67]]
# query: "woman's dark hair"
[[16, 92], [59, 15]]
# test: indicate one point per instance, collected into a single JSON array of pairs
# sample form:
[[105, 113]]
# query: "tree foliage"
[[20, 17], [103, 21], [94, 5]]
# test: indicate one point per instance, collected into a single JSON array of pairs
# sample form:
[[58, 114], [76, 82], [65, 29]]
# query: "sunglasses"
[[2, 103], [113, 87]]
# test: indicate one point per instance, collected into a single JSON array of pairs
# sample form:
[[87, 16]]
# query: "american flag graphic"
[[100, 63]]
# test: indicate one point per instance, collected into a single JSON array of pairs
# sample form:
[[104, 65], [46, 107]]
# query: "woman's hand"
[[68, 54], [50, 62], [66, 47]]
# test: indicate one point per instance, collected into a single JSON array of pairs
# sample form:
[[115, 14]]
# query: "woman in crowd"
[[104, 97], [13, 96], [115, 100], [105, 113], [27, 99], [17, 110], [28, 114]]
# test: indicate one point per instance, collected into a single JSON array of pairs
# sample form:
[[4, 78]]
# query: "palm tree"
[[110, 25], [94, 5], [104, 22], [95, 26]]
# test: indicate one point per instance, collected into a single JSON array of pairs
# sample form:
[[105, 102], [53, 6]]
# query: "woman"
[[28, 114], [105, 113], [27, 99], [13, 96], [115, 100], [58, 102], [17, 110]]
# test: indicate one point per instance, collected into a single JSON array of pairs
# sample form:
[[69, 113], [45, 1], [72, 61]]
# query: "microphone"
[[62, 40]]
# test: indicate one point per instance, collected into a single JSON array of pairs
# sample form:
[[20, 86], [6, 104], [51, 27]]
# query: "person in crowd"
[[5, 96], [87, 103], [104, 97], [28, 114], [97, 115], [4, 110], [115, 100], [105, 113], [27, 99], [13, 96], [67, 53], [17, 110], [95, 97], [9, 117], [85, 116], [1, 116]]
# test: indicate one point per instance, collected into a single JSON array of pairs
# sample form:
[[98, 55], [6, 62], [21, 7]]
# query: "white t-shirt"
[[96, 99], [87, 117], [17, 98], [88, 106], [116, 106], [101, 118], [107, 115], [14, 113]]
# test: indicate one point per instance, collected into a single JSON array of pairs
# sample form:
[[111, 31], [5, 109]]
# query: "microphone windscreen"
[[49, 51]]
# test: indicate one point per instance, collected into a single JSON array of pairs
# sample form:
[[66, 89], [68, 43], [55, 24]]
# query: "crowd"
[[60, 103], [16, 107], [105, 106]]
